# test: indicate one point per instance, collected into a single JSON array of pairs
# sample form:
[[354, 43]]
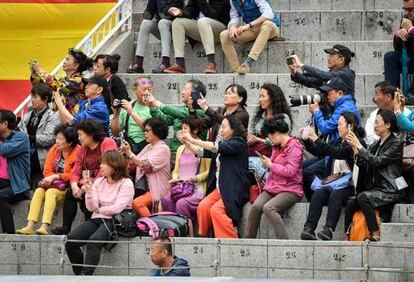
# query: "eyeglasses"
[[407, 9], [147, 129]]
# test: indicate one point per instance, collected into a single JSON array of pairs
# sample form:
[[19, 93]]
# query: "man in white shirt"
[[384, 97]]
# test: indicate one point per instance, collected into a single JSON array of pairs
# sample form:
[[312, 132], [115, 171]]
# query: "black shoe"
[[160, 69], [307, 234], [325, 234], [60, 230], [135, 69]]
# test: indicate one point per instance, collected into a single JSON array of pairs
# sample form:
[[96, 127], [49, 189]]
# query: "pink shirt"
[[111, 199], [3, 167]]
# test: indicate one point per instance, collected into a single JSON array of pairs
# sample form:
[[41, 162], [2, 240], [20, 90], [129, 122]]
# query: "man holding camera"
[[339, 58], [93, 108], [327, 126], [403, 38], [130, 117]]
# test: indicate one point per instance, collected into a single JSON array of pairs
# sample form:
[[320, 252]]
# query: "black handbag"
[[141, 186], [125, 223]]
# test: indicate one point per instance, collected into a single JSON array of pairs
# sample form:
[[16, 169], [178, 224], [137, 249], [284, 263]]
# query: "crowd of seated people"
[[84, 142]]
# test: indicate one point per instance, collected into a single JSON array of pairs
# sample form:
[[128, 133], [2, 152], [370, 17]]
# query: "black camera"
[[116, 104], [290, 61], [300, 100]]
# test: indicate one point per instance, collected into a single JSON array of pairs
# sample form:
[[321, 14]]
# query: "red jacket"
[[286, 169]]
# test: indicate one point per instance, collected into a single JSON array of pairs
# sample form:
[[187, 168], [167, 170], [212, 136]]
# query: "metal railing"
[[119, 18]]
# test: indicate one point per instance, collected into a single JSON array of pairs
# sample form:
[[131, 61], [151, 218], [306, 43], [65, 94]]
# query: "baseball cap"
[[99, 80], [341, 50], [335, 83]]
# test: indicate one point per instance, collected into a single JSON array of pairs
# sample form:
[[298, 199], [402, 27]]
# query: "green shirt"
[[174, 115], [134, 131]]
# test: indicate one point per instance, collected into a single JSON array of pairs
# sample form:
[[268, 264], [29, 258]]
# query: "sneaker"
[[63, 230], [307, 234], [211, 68], [243, 69], [42, 231], [25, 231], [159, 69], [135, 69], [325, 234], [175, 69]]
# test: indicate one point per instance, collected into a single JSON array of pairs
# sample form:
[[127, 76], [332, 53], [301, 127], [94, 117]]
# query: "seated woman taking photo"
[[107, 196], [190, 171], [340, 160], [283, 188], [381, 166], [52, 189], [222, 209]]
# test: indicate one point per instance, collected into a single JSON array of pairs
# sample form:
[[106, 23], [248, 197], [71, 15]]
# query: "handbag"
[[408, 157], [336, 182], [182, 190], [58, 184], [256, 189], [141, 186], [125, 223]]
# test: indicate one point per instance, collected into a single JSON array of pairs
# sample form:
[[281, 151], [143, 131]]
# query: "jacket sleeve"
[[371, 137], [336, 152], [158, 158], [47, 138], [318, 73], [405, 123], [327, 126], [50, 159], [397, 42], [207, 9], [204, 169], [91, 197], [305, 80], [294, 160], [265, 9], [235, 18], [231, 147], [177, 162], [159, 114], [97, 113], [69, 164], [392, 155], [77, 168], [189, 10], [18, 144], [123, 199], [175, 112], [312, 148]]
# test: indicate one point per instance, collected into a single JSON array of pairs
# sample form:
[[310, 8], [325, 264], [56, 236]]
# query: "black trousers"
[[96, 229], [311, 168], [70, 208], [361, 202], [7, 198], [335, 200]]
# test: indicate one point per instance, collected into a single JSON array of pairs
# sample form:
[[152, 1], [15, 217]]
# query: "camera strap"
[[126, 126]]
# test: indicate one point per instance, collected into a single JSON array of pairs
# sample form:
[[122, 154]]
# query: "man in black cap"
[[327, 126], [93, 108], [339, 57]]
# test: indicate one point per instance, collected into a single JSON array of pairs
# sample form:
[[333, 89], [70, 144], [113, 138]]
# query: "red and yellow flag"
[[42, 30]]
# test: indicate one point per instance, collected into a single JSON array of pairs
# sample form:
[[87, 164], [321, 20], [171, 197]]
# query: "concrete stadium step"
[[331, 25], [240, 258], [318, 5], [369, 56], [397, 232], [167, 87]]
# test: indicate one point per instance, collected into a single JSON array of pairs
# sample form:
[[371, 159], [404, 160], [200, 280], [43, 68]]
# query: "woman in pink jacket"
[[107, 196], [283, 188]]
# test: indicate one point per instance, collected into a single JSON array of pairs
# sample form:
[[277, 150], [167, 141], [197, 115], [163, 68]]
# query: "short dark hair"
[[165, 243], [386, 88], [10, 117], [84, 61], [199, 86], [158, 126], [69, 132], [119, 164], [43, 91], [275, 124], [238, 128], [109, 61], [241, 92], [353, 120], [194, 124], [91, 128], [389, 117]]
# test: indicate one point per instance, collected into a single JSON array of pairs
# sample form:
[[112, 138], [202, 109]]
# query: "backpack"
[[165, 223], [124, 223], [359, 229]]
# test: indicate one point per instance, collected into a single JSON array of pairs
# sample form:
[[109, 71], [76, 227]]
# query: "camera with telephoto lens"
[[300, 100], [116, 104]]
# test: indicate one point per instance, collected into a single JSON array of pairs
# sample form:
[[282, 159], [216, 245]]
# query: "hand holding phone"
[[195, 96]]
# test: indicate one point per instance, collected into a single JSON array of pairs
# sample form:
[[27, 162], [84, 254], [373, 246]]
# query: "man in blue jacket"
[[327, 126], [14, 168], [92, 108], [161, 254], [339, 58]]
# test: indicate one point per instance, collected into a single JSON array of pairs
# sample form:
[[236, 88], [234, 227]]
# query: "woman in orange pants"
[[223, 207]]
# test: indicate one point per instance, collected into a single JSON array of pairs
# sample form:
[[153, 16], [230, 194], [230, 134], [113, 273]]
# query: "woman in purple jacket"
[[283, 188]]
